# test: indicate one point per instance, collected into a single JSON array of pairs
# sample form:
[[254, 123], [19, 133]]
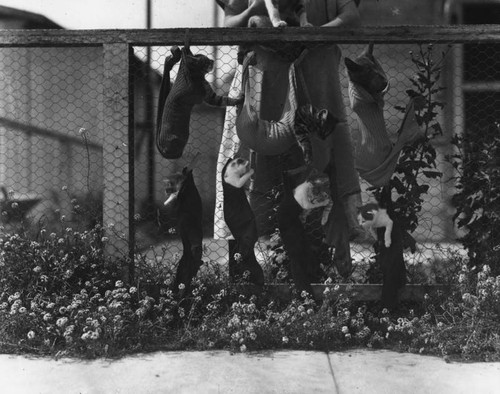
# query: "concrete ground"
[[358, 371]]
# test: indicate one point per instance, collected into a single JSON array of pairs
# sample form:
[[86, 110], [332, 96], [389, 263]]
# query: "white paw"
[[387, 243], [280, 23]]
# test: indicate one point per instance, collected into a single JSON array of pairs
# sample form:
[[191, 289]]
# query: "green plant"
[[477, 200], [60, 297], [417, 162], [466, 321]]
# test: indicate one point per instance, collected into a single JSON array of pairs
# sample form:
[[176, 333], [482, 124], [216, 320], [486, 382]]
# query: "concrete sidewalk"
[[358, 371]]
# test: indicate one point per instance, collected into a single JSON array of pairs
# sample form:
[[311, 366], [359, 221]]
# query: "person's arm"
[[233, 18], [348, 16]]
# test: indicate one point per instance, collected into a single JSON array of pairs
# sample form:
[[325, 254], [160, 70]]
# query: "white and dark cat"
[[304, 190], [282, 13], [389, 246], [241, 221]]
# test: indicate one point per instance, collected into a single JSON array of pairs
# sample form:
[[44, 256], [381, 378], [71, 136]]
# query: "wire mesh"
[[52, 132]]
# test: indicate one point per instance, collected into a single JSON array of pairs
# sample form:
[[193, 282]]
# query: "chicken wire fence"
[[60, 167]]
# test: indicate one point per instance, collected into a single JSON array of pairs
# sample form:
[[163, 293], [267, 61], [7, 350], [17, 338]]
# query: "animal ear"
[[328, 121], [322, 115], [171, 198], [369, 50], [352, 66]]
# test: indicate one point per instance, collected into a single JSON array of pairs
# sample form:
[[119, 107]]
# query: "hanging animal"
[[375, 217], [240, 220], [310, 121], [375, 155], [296, 124], [303, 191], [281, 13], [184, 198], [176, 102]]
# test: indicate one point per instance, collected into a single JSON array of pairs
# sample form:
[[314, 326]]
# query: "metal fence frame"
[[118, 113]]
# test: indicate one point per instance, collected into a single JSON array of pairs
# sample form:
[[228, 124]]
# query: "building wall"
[[48, 95]]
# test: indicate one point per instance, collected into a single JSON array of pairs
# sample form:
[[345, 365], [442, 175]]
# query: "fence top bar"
[[231, 36]]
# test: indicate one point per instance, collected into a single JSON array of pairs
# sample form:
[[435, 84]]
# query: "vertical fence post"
[[118, 149]]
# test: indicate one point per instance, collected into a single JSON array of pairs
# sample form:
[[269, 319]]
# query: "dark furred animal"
[[240, 220], [184, 198], [301, 192], [309, 120], [177, 101], [367, 72], [388, 255]]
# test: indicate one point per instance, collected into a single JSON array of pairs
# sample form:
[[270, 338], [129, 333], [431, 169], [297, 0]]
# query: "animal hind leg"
[[170, 62], [165, 87]]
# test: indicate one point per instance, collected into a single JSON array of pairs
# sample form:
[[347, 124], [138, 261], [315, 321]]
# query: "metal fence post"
[[118, 149]]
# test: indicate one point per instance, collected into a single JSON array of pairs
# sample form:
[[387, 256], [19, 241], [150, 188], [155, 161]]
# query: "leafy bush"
[[477, 200], [417, 162]]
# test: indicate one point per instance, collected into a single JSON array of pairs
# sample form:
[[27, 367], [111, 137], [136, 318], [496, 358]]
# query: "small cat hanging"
[[176, 102]]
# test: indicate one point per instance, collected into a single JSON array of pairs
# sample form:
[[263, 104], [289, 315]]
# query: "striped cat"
[[309, 120]]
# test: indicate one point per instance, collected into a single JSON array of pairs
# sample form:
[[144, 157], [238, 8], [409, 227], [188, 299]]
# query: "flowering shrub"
[[55, 263], [278, 262], [59, 296], [467, 320]]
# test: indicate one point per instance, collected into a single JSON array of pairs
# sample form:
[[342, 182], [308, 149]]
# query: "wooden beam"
[[118, 168], [232, 36]]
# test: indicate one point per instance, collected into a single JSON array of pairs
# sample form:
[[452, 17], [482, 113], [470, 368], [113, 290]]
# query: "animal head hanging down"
[[367, 72], [198, 65], [237, 172]]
